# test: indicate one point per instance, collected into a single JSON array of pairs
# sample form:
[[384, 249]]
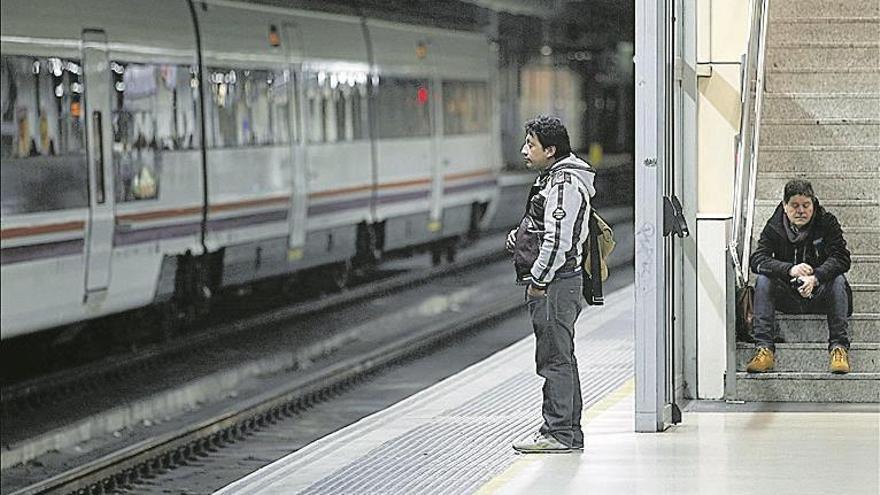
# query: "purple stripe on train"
[[469, 186], [126, 236], [407, 196], [349, 204], [248, 220], [33, 252]]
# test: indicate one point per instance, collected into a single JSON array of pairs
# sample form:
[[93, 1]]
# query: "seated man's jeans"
[[773, 295]]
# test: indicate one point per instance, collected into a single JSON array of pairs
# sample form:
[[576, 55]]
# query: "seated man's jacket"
[[823, 248], [551, 235]]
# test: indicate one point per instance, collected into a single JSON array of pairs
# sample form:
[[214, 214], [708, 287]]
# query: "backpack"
[[596, 250]]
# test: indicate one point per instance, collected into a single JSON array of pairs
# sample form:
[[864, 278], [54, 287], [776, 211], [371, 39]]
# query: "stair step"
[[814, 106], [803, 55], [830, 132], [828, 185], [819, 80], [849, 212], [810, 159], [823, 29], [865, 269], [808, 387], [863, 327], [824, 8], [820, 121], [862, 239], [866, 298], [823, 44], [866, 29], [864, 357]]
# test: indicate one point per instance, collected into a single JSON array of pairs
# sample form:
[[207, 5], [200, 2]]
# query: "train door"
[[99, 233], [437, 168], [299, 170], [403, 135]]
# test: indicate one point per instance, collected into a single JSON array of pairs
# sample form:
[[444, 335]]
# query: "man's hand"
[[511, 240], [810, 283], [802, 270], [536, 292]]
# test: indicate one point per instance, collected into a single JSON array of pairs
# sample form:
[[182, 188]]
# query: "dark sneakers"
[[541, 444]]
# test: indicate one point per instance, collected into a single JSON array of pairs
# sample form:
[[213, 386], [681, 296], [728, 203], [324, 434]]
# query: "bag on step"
[[745, 313]]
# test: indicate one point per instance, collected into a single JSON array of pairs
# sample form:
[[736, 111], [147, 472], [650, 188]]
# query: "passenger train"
[[154, 153]]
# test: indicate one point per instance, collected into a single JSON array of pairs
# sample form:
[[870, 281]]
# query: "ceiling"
[[585, 24]]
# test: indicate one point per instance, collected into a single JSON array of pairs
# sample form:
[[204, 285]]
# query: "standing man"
[[799, 262], [547, 256]]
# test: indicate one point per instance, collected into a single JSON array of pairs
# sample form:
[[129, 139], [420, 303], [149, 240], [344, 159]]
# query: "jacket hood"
[[579, 168]]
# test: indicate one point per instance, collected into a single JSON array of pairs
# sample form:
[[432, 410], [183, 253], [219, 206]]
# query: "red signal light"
[[422, 96]]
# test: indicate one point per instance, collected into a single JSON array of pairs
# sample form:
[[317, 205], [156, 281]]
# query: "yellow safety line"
[[589, 415]]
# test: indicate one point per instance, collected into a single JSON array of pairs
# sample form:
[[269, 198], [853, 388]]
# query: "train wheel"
[[169, 321], [292, 288], [340, 275], [436, 255], [451, 251]]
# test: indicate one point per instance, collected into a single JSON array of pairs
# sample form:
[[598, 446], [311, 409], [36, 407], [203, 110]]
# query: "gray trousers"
[[553, 318]]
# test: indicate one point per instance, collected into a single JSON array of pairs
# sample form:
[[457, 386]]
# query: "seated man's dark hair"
[[798, 187], [550, 132]]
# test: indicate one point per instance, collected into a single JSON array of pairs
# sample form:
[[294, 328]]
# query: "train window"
[[249, 107], [42, 134], [155, 110], [465, 107], [337, 106], [403, 108]]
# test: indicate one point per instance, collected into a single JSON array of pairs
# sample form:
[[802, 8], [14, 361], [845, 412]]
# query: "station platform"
[[455, 438]]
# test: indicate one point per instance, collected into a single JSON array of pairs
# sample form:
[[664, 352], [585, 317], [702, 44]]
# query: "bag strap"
[[595, 261]]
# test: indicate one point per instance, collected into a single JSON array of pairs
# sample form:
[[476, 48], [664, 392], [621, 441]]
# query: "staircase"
[[821, 121]]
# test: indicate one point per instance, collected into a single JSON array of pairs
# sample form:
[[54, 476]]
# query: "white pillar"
[[650, 162], [712, 314]]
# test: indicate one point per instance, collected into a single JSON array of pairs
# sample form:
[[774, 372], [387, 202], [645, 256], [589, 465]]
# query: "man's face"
[[799, 210], [537, 157]]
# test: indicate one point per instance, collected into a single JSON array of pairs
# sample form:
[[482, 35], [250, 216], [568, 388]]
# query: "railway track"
[[123, 467]]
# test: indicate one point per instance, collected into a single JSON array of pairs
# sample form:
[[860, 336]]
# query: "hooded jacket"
[[823, 247], [550, 236]]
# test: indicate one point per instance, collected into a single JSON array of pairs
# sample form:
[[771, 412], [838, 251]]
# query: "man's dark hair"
[[550, 132], [797, 187]]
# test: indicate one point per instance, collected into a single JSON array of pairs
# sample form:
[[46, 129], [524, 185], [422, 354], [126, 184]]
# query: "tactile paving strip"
[[466, 446]]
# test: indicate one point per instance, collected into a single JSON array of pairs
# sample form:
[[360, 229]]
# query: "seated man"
[[800, 261]]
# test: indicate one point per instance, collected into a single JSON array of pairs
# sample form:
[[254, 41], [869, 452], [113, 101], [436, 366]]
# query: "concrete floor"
[[716, 453]]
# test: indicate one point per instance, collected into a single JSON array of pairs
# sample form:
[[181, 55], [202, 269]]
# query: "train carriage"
[[161, 152]]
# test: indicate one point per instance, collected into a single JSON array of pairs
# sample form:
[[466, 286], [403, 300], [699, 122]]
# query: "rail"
[[751, 85]]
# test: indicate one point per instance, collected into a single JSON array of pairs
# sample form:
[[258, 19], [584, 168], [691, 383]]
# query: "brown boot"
[[839, 360], [762, 362]]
